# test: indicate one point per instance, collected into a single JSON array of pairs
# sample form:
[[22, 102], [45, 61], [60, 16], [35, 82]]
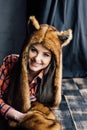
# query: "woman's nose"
[[38, 58]]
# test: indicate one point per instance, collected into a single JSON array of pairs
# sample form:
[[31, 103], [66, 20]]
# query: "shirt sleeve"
[[3, 107], [5, 70]]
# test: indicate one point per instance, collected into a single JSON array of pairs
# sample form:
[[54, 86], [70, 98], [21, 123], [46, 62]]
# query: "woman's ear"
[[65, 37]]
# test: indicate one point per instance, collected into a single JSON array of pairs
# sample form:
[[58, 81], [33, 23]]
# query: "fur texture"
[[39, 117]]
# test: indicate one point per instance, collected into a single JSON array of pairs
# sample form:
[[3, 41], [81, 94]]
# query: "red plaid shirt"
[[5, 71]]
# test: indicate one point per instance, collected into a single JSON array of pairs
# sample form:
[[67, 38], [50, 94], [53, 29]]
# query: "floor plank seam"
[[71, 114]]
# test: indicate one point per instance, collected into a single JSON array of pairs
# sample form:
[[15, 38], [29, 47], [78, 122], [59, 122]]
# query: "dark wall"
[[63, 14], [12, 26]]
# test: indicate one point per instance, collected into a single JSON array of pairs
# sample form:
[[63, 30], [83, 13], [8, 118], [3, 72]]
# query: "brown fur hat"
[[51, 39]]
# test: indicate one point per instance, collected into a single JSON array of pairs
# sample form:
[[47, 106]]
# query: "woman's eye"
[[47, 55], [33, 49]]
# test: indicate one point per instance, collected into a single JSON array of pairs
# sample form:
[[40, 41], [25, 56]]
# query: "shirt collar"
[[39, 76]]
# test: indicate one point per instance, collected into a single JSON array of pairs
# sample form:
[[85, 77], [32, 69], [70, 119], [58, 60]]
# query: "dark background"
[[63, 14]]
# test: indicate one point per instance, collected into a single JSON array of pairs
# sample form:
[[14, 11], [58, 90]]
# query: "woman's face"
[[39, 57]]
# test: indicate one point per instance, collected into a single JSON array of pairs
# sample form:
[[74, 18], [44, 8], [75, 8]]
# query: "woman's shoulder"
[[8, 63], [10, 59]]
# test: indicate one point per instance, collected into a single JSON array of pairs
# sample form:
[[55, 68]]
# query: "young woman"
[[35, 75]]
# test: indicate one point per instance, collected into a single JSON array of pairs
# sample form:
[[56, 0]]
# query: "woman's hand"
[[14, 115]]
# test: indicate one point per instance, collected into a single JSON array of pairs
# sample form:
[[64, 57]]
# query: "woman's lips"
[[35, 64]]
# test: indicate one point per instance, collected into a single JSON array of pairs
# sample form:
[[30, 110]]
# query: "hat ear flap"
[[65, 37], [33, 24]]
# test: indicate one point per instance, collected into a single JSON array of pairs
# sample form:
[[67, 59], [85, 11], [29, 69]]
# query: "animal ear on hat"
[[65, 37], [33, 24]]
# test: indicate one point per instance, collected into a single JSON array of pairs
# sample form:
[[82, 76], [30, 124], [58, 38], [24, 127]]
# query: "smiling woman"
[[34, 76]]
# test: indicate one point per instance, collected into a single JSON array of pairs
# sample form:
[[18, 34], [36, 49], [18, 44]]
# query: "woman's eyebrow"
[[47, 52], [33, 47]]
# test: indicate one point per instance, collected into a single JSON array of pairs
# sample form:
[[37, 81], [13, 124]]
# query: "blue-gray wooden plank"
[[72, 112]]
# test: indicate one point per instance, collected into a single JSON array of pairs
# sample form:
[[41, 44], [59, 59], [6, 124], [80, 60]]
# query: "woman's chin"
[[34, 69]]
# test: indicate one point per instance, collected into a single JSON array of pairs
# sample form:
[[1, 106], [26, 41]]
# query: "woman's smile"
[[35, 64]]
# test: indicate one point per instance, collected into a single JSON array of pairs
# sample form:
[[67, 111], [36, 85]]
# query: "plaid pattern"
[[34, 84], [5, 71]]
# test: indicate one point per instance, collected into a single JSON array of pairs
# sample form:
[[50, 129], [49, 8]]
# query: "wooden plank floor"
[[72, 112]]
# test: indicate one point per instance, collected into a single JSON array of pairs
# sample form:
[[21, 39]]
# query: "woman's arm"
[[6, 110], [14, 115], [10, 113]]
